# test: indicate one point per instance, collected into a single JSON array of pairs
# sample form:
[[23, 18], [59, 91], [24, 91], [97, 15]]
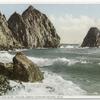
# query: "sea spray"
[[51, 85], [79, 66]]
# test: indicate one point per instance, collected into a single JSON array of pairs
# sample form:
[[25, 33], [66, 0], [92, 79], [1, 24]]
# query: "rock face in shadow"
[[6, 69], [92, 39], [33, 29], [17, 25]]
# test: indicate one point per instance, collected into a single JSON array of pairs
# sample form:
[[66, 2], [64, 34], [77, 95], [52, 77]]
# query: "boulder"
[[4, 85], [25, 70], [21, 69], [33, 29], [92, 39]]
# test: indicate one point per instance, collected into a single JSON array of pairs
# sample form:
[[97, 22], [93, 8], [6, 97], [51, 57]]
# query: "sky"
[[72, 21]]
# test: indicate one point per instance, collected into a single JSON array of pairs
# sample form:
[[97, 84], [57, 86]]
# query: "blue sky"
[[56, 9], [69, 19]]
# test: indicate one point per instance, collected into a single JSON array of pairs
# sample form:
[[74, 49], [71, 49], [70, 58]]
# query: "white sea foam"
[[51, 85], [69, 46], [47, 61], [21, 49], [5, 57]]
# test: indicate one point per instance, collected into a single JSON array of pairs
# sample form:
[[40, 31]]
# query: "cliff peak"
[[33, 29], [92, 39], [30, 7]]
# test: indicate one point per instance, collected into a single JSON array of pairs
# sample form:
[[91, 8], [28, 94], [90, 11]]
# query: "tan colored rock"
[[21, 69], [25, 70]]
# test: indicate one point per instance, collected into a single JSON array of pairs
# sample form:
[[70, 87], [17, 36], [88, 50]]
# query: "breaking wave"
[[68, 46], [5, 57], [51, 85], [47, 61]]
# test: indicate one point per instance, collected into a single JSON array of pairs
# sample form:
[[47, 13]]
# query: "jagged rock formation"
[[33, 29], [18, 27], [7, 40], [21, 69], [30, 30], [92, 39]]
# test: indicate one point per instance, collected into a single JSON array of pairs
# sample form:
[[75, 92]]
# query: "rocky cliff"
[[7, 40], [33, 29], [92, 39]]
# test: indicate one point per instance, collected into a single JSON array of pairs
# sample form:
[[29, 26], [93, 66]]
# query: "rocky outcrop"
[[30, 30], [33, 29], [17, 25], [25, 70], [21, 69], [7, 40], [92, 39]]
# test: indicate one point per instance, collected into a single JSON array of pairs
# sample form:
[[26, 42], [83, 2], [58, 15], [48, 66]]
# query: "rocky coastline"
[[32, 29], [21, 69]]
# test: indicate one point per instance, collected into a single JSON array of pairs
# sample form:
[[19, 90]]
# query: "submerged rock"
[[25, 70], [33, 29], [92, 39]]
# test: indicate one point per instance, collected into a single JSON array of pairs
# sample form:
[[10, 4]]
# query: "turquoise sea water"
[[69, 70]]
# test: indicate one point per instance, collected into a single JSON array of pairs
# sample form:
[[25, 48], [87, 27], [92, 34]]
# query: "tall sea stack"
[[92, 39], [33, 29]]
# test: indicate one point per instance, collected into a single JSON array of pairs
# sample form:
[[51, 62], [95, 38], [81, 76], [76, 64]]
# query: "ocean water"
[[69, 71]]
